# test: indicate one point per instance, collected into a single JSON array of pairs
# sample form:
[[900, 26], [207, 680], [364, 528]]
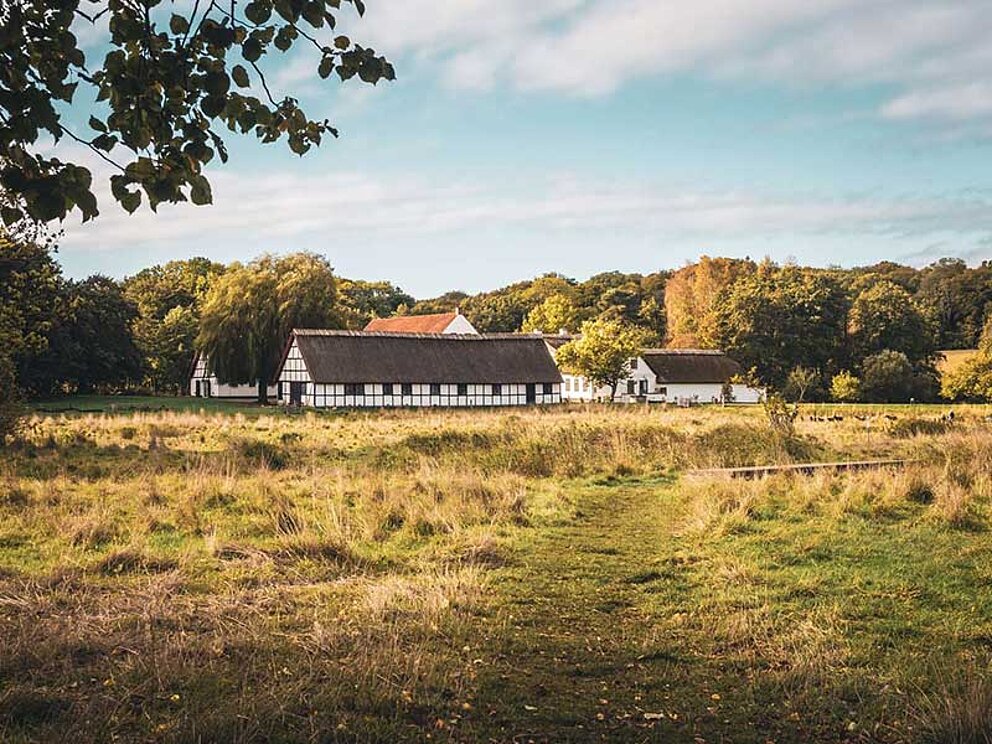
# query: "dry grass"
[[325, 573]]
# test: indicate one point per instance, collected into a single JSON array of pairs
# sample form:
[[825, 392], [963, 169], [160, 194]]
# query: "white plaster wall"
[[460, 325], [218, 390]]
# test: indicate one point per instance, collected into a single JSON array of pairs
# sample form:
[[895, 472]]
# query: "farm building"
[[345, 369], [685, 376], [204, 384], [682, 376], [436, 323], [573, 387]]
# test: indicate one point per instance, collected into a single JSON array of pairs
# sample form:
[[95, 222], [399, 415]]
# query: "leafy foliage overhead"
[[168, 84]]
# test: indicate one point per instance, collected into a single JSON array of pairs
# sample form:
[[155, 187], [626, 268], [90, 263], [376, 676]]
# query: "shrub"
[[259, 452], [845, 388], [11, 409]]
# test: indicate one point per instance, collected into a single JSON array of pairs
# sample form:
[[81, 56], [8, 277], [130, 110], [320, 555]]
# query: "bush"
[[845, 388], [889, 377], [11, 408]]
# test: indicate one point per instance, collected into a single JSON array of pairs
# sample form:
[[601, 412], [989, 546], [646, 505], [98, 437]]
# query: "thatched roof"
[[359, 356], [434, 323], [690, 365]]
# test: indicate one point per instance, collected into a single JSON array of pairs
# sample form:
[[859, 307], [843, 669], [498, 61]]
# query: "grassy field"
[[538, 575]]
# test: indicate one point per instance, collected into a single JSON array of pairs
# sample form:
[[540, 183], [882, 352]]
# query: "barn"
[[685, 376], [361, 369], [434, 323], [204, 384]]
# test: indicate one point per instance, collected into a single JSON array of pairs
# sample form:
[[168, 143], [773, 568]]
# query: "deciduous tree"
[[603, 352], [168, 84], [845, 387], [251, 309], [168, 300], [554, 314], [775, 320], [884, 316]]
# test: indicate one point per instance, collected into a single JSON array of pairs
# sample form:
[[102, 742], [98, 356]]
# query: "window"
[[633, 363], [435, 388], [663, 390], [355, 389], [387, 388], [279, 392], [497, 389], [549, 389], [630, 387], [462, 388], [406, 388]]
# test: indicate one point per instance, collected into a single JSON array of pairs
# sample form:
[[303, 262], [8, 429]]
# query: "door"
[[206, 389], [531, 393], [296, 393], [198, 391]]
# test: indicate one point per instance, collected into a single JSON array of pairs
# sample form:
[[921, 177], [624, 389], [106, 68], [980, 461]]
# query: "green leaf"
[[251, 50], [178, 24], [240, 75], [11, 215], [200, 193], [313, 13], [258, 13], [217, 83], [213, 106]]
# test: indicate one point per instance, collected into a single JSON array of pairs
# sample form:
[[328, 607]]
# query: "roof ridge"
[[334, 332], [707, 352]]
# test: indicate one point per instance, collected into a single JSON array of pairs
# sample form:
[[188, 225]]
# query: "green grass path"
[[589, 650]]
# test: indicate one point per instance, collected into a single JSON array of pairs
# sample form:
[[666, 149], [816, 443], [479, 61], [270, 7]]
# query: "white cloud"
[[926, 50], [282, 207]]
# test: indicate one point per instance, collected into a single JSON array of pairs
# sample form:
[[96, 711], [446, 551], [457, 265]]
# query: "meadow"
[[537, 575]]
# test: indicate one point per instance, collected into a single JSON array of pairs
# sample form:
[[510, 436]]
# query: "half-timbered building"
[[358, 369], [203, 383]]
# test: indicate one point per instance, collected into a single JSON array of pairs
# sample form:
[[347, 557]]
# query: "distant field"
[[954, 358], [523, 575], [137, 403]]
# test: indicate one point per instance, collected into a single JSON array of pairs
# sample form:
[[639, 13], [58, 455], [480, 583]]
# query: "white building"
[[573, 387], [436, 323], [685, 377], [204, 384], [359, 369], [681, 376]]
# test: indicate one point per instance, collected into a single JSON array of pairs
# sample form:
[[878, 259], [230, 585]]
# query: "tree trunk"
[[263, 392], [613, 390]]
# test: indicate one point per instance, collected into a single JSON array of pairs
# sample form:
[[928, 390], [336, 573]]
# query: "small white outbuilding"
[[204, 384]]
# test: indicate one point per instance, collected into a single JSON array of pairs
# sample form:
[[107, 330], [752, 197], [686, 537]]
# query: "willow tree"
[[251, 309]]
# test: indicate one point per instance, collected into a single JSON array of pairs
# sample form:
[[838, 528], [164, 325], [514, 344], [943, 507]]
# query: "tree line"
[[867, 333]]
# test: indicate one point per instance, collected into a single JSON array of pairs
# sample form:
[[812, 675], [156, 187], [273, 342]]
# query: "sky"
[[581, 136]]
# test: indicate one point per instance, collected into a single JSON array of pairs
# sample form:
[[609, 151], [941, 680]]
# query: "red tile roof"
[[412, 323]]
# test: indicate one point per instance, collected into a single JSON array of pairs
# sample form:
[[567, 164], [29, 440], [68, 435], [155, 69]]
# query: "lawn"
[[139, 404], [531, 575]]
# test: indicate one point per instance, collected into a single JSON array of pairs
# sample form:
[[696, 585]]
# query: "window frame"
[[354, 389]]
